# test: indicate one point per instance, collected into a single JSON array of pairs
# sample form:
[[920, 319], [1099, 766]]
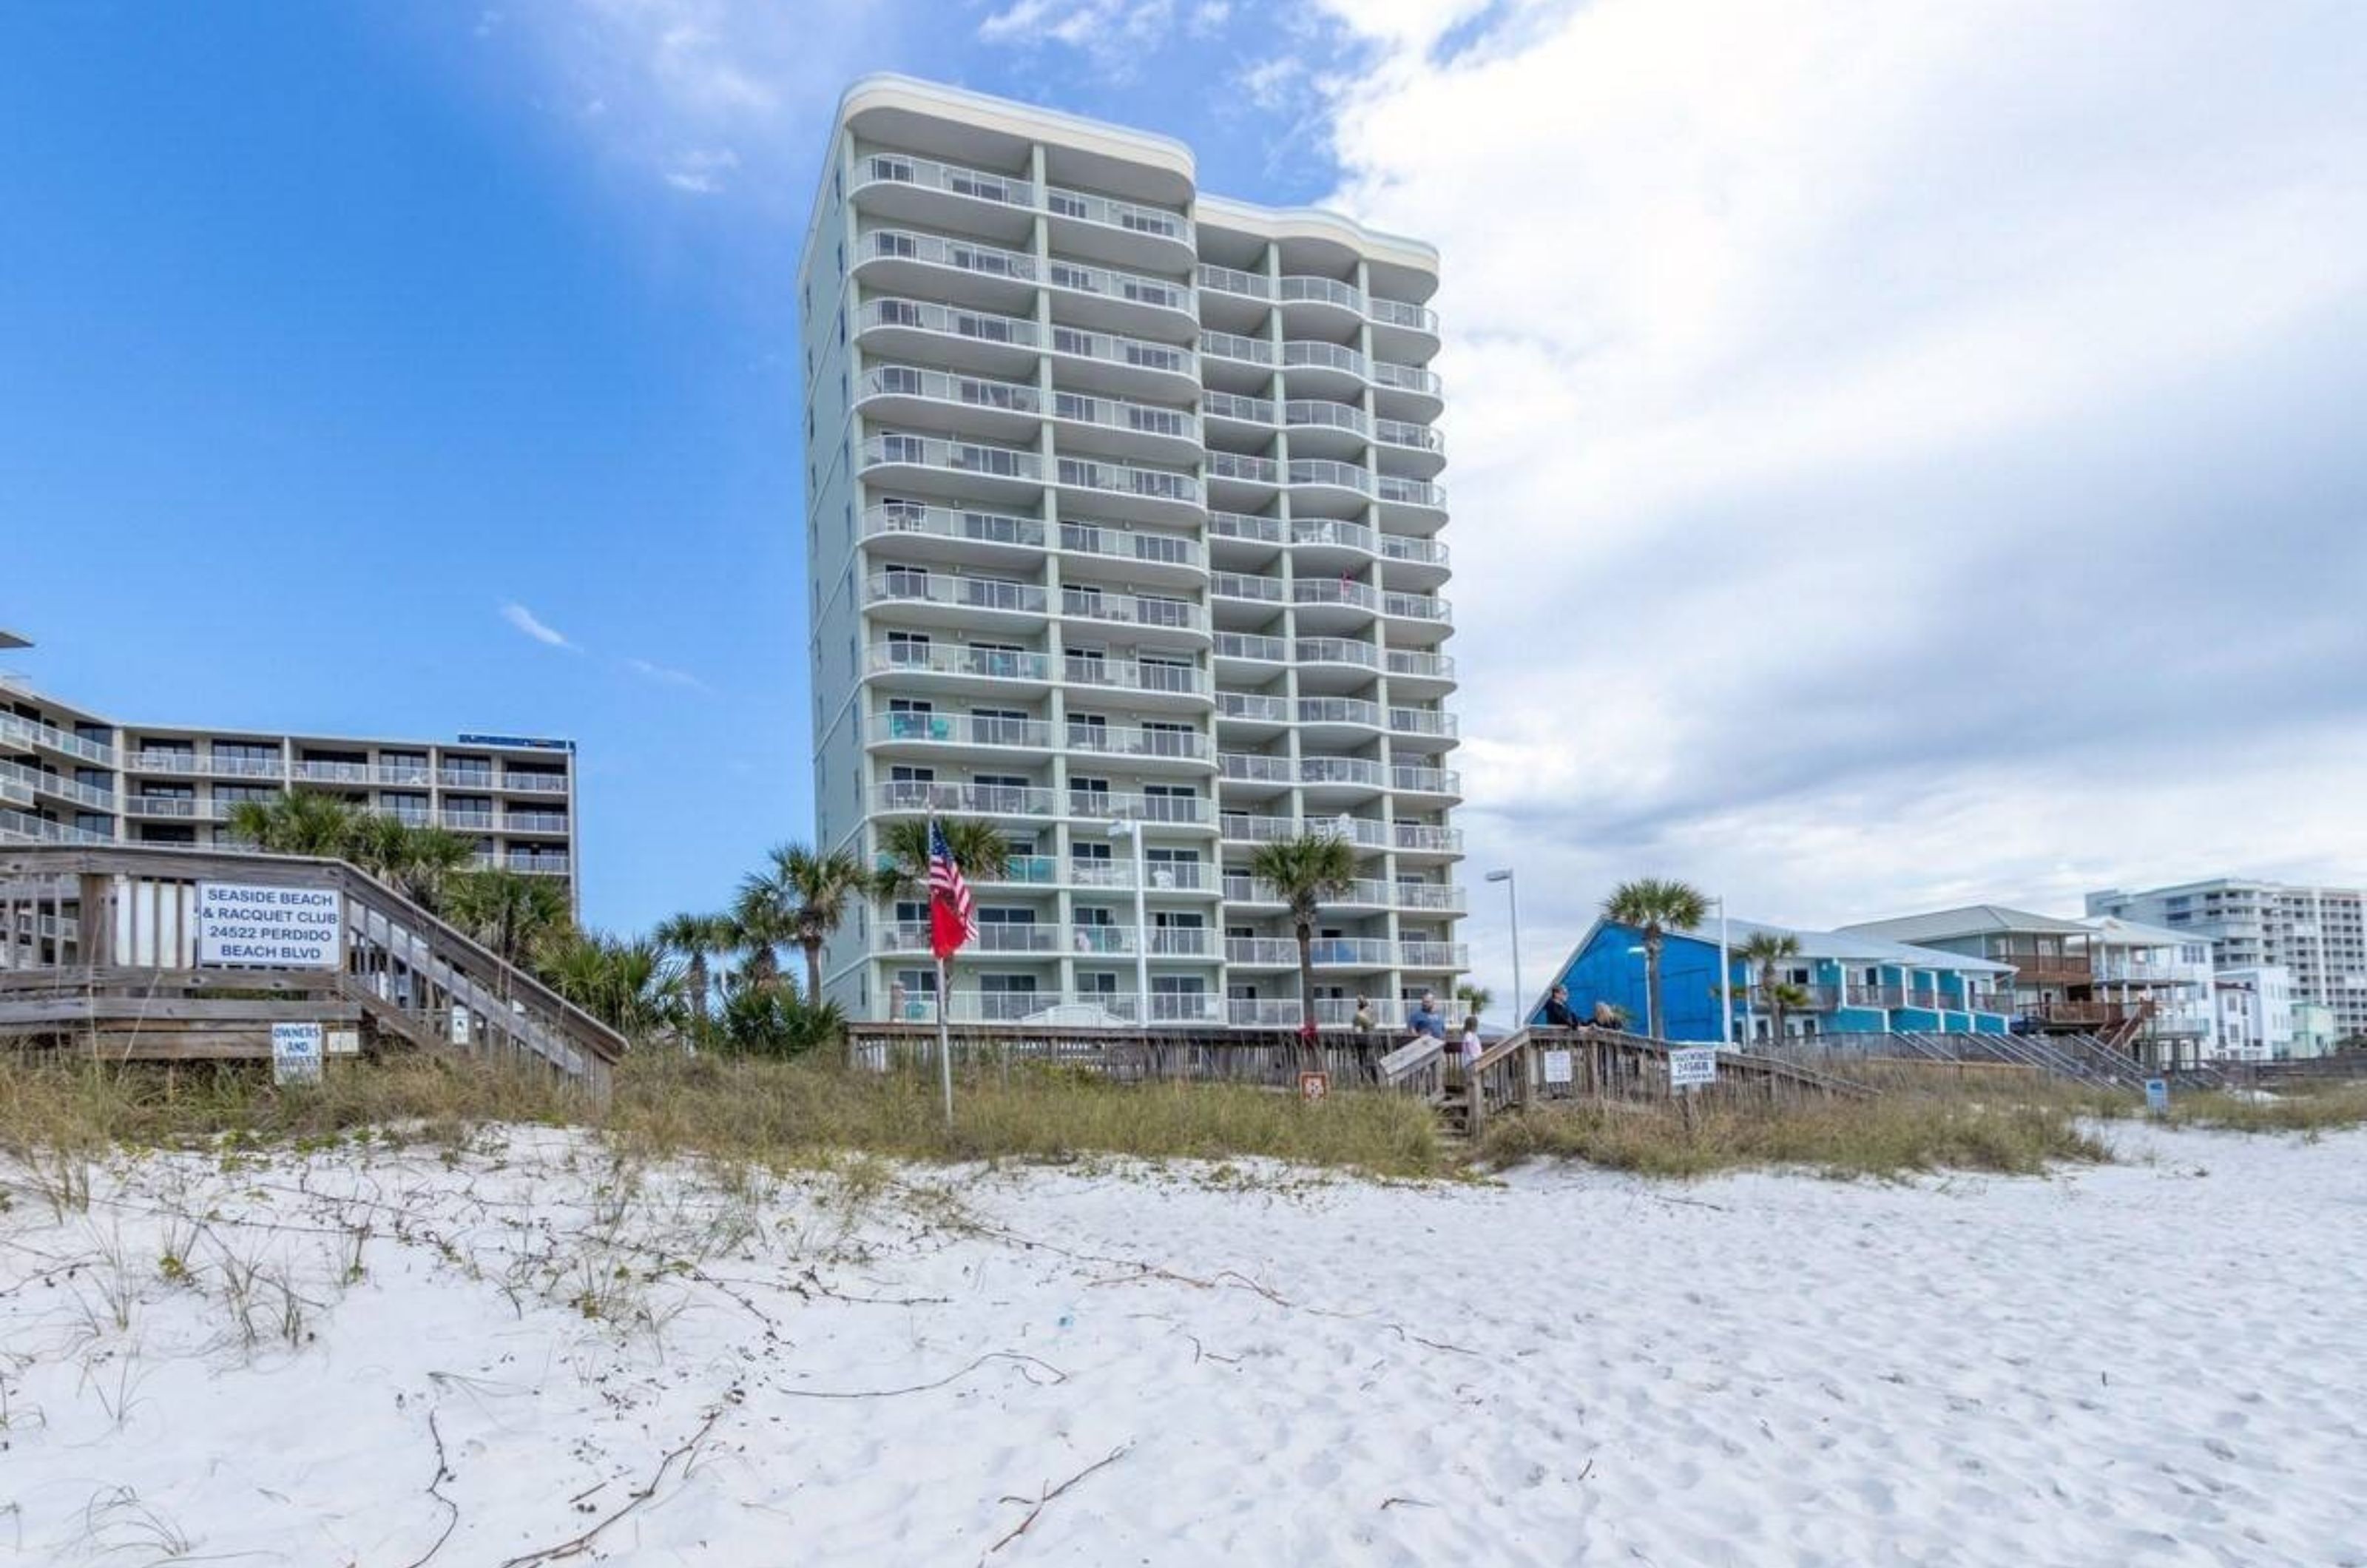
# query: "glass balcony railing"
[[1233, 406], [1243, 526], [1132, 215], [938, 386], [922, 315], [908, 586], [947, 658], [1134, 287], [1114, 349], [1126, 478], [1117, 413], [1250, 645], [1245, 468], [968, 255], [1255, 706], [953, 523], [1135, 675], [1233, 346], [1130, 609], [980, 185], [1247, 585], [1128, 544], [960, 456], [962, 730], [1322, 413]]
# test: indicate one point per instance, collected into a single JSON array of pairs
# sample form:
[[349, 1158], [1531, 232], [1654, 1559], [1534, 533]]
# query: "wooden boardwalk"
[[100, 953]]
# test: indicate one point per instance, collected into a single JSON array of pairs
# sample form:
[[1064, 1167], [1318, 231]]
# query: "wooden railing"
[[1272, 1057], [118, 971]]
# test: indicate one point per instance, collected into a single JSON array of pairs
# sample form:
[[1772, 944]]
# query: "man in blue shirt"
[[1425, 1018]]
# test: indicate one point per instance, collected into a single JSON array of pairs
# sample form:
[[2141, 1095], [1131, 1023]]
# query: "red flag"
[[953, 918]]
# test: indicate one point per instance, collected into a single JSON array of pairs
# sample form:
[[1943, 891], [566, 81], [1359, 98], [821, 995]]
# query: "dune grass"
[[2303, 1106], [774, 1112], [1892, 1136]]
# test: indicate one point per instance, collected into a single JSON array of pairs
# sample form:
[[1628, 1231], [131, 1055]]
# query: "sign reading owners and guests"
[[272, 928], [296, 1053]]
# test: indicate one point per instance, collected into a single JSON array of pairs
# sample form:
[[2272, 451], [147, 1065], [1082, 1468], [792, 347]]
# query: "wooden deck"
[[99, 954]]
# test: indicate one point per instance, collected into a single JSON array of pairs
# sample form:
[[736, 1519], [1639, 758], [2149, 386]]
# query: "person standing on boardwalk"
[[1363, 1020], [1558, 1013], [1426, 1018]]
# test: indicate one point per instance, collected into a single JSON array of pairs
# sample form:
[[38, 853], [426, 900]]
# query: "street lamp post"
[[1512, 892], [1131, 827]]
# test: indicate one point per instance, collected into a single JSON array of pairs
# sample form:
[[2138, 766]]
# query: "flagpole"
[[944, 1045]]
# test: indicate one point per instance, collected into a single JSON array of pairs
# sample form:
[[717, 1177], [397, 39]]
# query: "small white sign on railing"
[[1693, 1067], [1557, 1068], [295, 1052], [274, 927]]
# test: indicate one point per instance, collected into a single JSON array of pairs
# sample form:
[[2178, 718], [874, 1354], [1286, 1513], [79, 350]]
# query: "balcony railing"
[[1410, 492], [1326, 471], [953, 523], [81, 794], [526, 865], [1300, 353], [1117, 413], [1434, 666], [969, 592], [969, 256], [1127, 544], [1252, 766], [1438, 896], [1116, 1008], [1398, 313], [1404, 546], [1340, 710], [1407, 378], [1233, 346], [467, 822], [23, 825], [1232, 280], [1255, 705], [1108, 283], [1104, 740], [1425, 781], [938, 386], [1334, 590], [1126, 478], [961, 457], [1131, 609], [983, 800], [1097, 805], [962, 730], [1252, 586], [1244, 467], [1405, 433], [924, 315], [1215, 404], [1115, 349], [1132, 215], [535, 822], [1244, 828], [536, 783], [885, 168], [1422, 721], [1134, 675], [1360, 770], [33, 732], [1416, 606], [1339, 650], [993, 936], [1248, 645], [1322, 413], [942, 659], [1422, 836]]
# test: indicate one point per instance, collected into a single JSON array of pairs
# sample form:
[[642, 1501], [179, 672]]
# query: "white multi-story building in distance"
[[69, 775], [1122, 508], [2316, 934]]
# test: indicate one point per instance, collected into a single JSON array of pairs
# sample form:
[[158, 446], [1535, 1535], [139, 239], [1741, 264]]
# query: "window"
[[908, 648]]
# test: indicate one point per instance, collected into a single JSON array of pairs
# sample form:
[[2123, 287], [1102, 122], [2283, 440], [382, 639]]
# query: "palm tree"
[[979, 848], [627, 983], [804, 896], [696, 939], [509, 913], [299, 822], [1760, 955], [758, 926], [1306, 872], [1652, 907], [1475, 1000]]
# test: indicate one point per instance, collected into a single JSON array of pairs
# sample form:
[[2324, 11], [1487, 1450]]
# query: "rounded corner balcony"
[[1412, 392]]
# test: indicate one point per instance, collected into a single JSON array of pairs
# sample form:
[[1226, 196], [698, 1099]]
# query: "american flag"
[[953, 918]]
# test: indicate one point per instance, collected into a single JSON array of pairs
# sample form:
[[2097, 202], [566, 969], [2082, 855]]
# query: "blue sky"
[[332, 334], [1901, 455]]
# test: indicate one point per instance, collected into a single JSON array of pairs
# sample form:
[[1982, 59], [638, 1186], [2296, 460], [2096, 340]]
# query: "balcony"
[[1241, 468], [1249, 587], [896, 170], [21, 825], [967, 593], [909, 795], [1139, 744], [1111, 1008], [1152, 421], [1132, 546], [1110, 362], [1252, 647], [1236, 348], [1254, 708], [1413, 436], [1125, 233], [1115, 295], [339, 772], [535, 822], [1162, 877], [1135, 675], [163, 806], [906, 521], [1359, 772], [528, 784], [1400, 313], [31, 733], [1133, 610], [1408, 665], [456, 778], [1232, 280], [1364, 893], [1332, 357], [33, 781], [1339, 650], [945, 658], [1417, 607], [1137, 490], [1012, 471], [467, 821], [1327, 471], [526, 864], [961, 729], [1303, 414], [1404, 547], [1341, 592], [1395, 491], [1425, 781], [1243, 827], [165, 762], [1424, 837], [1300, 289], [1353, 711], [971, 339], [881, 253], [1003, 408], [1003, 936], [1344, 952], [1097, 805], [1235, 407], [1239, 766]]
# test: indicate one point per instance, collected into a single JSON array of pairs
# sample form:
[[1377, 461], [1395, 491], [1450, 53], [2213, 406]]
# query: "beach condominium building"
[[2318, 935], [73, 776], [1124, 534]]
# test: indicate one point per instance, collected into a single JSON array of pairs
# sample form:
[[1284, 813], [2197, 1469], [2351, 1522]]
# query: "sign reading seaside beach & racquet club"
[[1693, 1067], [271, 928]]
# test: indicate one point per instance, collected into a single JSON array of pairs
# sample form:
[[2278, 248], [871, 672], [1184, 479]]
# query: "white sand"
[[2151, 1363]]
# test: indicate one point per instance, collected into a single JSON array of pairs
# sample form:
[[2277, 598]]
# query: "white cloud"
[[666, 676], [527, 621], [702, 170], [1117, 35], [1893, 455]]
